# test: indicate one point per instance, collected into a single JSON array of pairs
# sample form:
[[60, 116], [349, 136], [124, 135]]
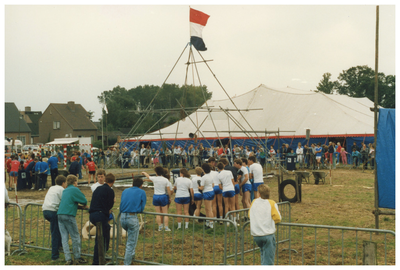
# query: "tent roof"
[[286, 109]]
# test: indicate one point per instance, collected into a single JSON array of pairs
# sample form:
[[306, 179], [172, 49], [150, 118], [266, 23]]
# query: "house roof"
[[32, 118], [77, 118], [13, 123]]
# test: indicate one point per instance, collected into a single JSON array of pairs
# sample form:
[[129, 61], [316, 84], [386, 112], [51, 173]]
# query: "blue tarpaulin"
[[385, 158]]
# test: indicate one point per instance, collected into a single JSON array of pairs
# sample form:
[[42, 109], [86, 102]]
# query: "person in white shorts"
[[256, 172]]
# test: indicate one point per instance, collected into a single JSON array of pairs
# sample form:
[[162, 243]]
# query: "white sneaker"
[[160, 228], [167, 229], [40, 189], [32, 188]]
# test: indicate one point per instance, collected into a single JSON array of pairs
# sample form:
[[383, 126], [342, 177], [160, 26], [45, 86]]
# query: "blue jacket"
[[37, 167], [53, 163], [133, 200], [44, 168]]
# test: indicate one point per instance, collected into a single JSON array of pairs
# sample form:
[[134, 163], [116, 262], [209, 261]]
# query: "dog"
[[7, 240]]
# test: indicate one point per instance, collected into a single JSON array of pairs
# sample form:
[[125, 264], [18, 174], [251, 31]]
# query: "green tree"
[[326, 85], [359, 81], [125, 107]]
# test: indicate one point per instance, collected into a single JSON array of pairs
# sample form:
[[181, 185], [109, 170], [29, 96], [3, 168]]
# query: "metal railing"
[[13, 223], [196, 245], [297, 244], [245, 239], [36, 231], [324, 245]]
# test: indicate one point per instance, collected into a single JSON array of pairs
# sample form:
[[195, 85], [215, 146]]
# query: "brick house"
[[15, 126], [65, 121]]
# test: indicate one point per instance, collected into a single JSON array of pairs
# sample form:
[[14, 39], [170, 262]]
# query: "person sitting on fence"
[[182, 197], [103, 199], [70, 199], [50, 207], [160, 198], [133, 201], [262, 227]]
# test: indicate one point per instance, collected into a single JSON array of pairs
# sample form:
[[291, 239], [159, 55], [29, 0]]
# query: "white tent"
[[287, 109]]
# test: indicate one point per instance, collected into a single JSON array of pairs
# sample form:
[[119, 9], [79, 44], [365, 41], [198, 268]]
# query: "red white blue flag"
[[198, 20]]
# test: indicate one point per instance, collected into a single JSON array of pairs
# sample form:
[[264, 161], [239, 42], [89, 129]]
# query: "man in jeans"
[[262, 227], [100, 210], [133, 201], [71, 197], [50, 207]]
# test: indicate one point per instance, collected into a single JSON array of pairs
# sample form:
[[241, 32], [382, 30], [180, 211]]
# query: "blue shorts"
[[110, 217], [237, 189], [160, 200], [228, 194], [182, 200], [198, 196], [246, 187], [217, 190], [255, 186], [209, 196], [13, 173]]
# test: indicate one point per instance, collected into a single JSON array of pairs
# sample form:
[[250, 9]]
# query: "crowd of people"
[[217, 186], [312, 156]]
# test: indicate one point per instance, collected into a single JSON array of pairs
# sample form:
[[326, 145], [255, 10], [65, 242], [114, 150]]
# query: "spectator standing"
[[100, 210], [354, 156], [300, 155], [256, 173], [74, 167], [182, 186], [44, 172], [262, 227], [133, 201], [70, 199], [101, 178], [91, 167], [14, 172], [160, 197], [53, 164], [50, 207], [206, 186]]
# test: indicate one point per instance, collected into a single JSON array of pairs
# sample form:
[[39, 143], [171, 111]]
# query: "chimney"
[[71, 105], [27, 108]]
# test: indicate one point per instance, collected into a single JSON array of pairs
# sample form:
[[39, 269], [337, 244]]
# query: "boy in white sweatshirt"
[[264, 214]]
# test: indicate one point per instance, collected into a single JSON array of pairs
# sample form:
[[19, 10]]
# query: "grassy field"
[[349, 202]]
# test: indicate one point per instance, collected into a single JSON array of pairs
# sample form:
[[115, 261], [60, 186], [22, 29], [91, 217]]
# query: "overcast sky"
[[56, 54]]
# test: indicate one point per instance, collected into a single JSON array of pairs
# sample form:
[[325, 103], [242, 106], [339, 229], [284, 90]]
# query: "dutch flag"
[[198, 20]]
